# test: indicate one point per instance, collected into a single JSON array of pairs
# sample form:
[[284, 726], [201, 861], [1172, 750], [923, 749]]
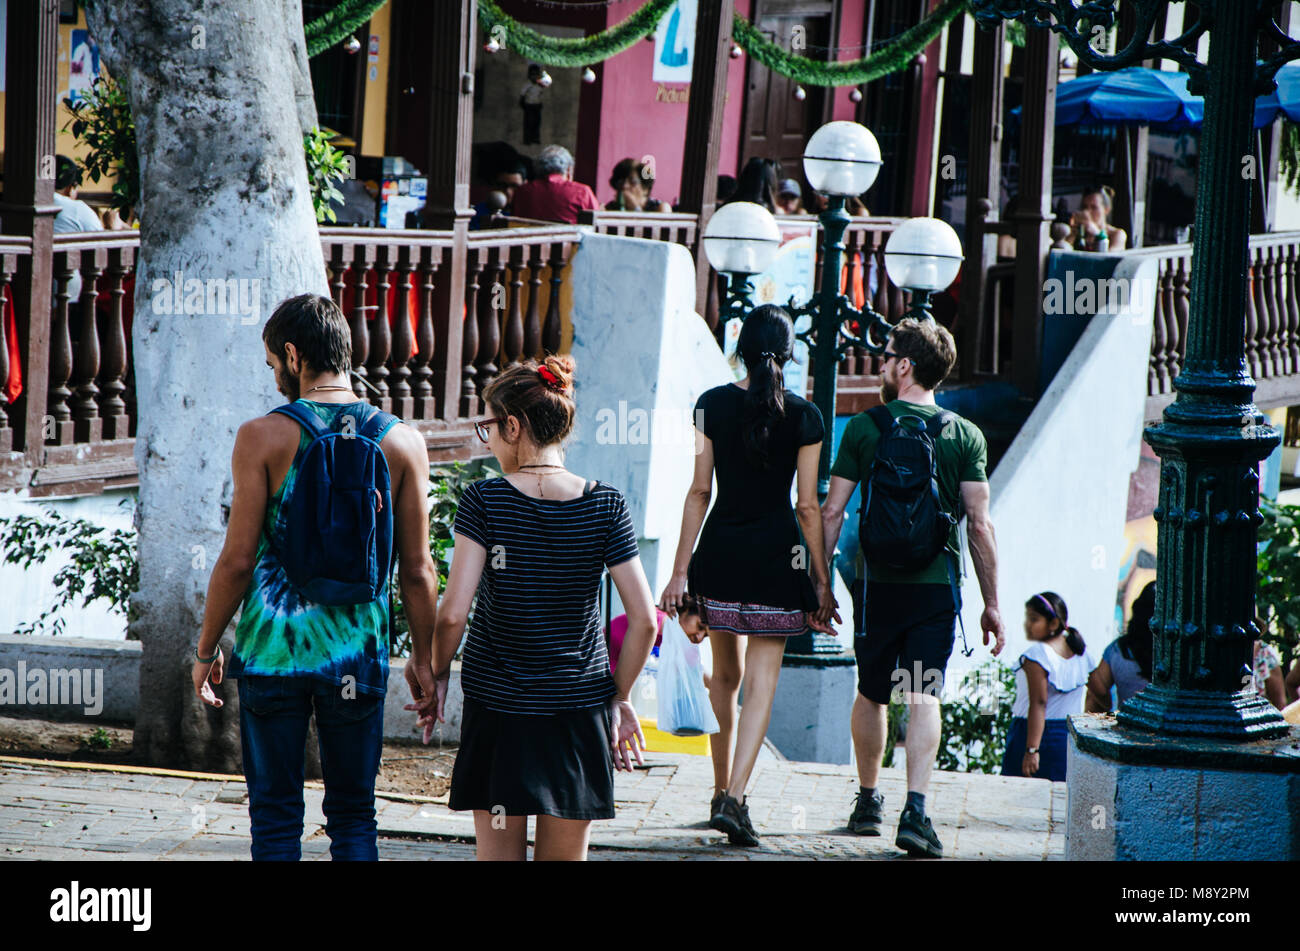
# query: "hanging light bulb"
[[588, 75], [492, 46], [735, 51], [800, 94], [855, 94], [544, 79], [352, 45]]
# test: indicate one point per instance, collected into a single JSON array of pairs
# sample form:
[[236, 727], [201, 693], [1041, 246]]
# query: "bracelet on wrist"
[[1031, 749], [206, 660]]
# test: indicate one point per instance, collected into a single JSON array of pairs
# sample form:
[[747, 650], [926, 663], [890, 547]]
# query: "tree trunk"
[[216, 92]]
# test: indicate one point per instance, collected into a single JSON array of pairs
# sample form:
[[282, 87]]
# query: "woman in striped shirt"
[[544, 723]]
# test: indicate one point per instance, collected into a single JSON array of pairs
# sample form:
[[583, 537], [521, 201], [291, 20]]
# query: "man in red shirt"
[[553, 195]]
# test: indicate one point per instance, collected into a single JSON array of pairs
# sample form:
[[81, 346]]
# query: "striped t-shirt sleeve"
[[470, 518], [620, 543]]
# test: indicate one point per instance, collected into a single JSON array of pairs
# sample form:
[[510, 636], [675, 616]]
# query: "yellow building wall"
[[374, 125]]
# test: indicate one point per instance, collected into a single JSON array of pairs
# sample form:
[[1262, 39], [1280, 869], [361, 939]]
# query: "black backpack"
[[902, 523]]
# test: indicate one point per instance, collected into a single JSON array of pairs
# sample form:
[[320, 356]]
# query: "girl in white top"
[[1051, 681]]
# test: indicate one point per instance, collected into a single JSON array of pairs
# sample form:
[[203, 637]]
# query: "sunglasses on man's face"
[[889, 355], [480, 428]]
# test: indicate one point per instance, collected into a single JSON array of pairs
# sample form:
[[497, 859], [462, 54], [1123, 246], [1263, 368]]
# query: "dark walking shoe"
[[867, 815], [732, 818], [714, 808], [916, 836]]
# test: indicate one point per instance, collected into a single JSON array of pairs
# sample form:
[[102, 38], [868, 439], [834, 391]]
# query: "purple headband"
[[1051, 612]]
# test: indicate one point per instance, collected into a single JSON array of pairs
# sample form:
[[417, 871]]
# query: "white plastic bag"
[[684, 708]]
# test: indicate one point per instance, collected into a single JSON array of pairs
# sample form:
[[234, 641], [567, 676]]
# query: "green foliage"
[[326, 166], [570, 52], [103, 563], [976, 721], [1277, 590], [102, 121], [1288, 158], [445, 487], [332, 27], [99, 739], [890, 58]]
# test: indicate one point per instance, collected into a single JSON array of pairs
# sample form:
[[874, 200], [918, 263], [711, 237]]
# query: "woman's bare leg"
[[561, 840], [724, 685], [763, 657], [500, 838]]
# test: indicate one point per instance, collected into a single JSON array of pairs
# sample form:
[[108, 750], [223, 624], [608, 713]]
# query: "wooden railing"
[[676, 227], [415, 352], [1272, 337]]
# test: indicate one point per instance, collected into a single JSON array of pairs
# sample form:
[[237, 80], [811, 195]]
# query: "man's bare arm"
[[837, 499], [984, 555], [416, 575], [233, 571]]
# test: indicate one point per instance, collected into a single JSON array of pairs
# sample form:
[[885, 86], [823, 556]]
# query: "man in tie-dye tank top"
[[293, 657]]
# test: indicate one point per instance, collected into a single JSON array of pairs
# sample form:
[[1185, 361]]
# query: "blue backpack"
[[334, 531]]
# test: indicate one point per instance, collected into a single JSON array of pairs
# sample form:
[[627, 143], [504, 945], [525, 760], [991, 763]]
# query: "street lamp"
[[741, 239], [842, 159]]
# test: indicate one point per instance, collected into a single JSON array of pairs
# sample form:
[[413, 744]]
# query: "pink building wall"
[[632, 123]]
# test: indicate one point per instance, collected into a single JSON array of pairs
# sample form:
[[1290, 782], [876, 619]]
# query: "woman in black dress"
[[751, 569], [545, 722]]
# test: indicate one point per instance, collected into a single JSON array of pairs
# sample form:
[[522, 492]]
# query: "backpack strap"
[[303, 417], [377, 425], [882, 417]]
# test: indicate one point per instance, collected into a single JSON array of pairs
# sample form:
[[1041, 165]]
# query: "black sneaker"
[[732, 818], [867, 814], [714, 807], [916, 835]]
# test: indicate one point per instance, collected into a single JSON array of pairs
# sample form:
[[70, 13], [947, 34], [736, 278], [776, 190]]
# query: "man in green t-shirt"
[[904, 630]]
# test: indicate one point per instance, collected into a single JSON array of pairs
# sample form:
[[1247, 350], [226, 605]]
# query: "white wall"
[[24, 594], [1060, 494], [643, 358]]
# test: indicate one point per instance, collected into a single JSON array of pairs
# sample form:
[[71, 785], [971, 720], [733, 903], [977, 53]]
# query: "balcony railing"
[[68, 415]]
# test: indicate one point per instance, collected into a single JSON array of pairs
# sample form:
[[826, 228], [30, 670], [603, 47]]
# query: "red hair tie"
[[550, 379]]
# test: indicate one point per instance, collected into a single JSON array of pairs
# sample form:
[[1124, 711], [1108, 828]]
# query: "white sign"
[[675, 43]]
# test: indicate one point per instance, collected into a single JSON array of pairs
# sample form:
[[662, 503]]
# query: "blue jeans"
[[273, 717]]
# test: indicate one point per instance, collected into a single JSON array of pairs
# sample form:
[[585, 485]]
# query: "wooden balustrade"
[[675, 227]]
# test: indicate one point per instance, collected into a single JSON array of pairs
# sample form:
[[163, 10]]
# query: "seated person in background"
[[553, 195], [789, 198], [1126, 661], [74, 215], [1089, 228], [1267, 675], [632, 182]]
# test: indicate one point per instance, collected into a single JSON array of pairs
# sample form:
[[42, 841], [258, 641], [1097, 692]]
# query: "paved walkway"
[[799, 809]]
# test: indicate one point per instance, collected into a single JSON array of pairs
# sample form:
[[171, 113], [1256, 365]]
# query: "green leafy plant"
[[326, 166], [103, 565], [99, 739], [976, 722], [1277, 585], [446, 484], [102, 121]]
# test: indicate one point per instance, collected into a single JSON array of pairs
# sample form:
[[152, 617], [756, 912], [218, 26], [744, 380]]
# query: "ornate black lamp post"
[[1212, 437]]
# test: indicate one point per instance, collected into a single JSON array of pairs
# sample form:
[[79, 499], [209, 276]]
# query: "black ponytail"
[[766, 340], [1050, 605]]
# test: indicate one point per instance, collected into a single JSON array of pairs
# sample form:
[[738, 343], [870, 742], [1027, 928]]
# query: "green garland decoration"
[[569, 53], [890, 58], [338, 24]]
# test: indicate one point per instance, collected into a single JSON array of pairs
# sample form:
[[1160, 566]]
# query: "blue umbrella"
[[1129, 96], [1159, 98]]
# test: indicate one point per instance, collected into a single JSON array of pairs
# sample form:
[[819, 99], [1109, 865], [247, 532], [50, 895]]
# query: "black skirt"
[[556, 764]]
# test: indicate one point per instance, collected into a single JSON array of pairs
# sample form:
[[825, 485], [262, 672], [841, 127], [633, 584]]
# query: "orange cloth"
[[851, 276], [372, 299], [14, 385]]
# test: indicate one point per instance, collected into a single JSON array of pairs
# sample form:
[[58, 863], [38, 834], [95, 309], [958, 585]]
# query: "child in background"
[[1051, 680], [688, 617]]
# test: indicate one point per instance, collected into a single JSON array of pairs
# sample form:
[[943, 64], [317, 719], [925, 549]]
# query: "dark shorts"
[[905, 639], [556, 764]]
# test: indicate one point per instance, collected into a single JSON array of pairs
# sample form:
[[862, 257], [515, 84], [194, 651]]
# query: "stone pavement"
[[799, 809]]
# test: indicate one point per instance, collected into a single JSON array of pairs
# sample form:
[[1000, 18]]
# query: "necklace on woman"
[[542, 465]]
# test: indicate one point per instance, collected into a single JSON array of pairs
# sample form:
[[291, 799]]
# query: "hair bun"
[[560, 367]]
